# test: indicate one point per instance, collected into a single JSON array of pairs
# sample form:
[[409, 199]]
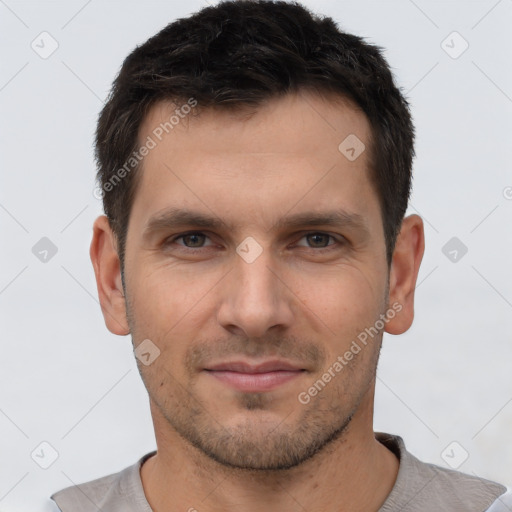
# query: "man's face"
[[250, 312]]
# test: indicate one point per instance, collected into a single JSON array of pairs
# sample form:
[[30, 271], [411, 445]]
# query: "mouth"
[[255, 378]]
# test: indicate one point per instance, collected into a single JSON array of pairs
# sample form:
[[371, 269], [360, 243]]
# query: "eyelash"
[[198, 249]]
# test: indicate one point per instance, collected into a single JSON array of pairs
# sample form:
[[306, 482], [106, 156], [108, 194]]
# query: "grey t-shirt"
[[419, 487]]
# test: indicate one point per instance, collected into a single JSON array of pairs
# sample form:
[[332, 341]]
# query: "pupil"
[[192, 236], [318, 235]]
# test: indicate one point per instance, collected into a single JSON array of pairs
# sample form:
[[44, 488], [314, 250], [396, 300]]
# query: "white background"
[[67, 381]]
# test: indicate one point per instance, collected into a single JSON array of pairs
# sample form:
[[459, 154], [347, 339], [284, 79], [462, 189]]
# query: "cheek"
[[169, 308], [164, 297], [341, 303]]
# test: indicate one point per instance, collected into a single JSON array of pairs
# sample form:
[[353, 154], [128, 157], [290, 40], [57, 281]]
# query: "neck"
[[355, 472]]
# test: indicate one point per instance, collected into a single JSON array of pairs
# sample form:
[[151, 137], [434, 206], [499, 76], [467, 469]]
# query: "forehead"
[[287, 155], [297, 123]]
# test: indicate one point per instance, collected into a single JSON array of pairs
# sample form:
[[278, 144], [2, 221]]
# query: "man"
[[255, 165]]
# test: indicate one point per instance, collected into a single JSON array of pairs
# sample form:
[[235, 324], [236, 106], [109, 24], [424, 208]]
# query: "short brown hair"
[[238, 54]]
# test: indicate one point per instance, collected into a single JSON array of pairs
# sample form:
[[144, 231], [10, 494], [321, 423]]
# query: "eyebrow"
[[172, 218]]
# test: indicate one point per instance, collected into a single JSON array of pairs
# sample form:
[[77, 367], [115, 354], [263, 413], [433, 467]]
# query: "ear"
[[107, 269], [407, 256]]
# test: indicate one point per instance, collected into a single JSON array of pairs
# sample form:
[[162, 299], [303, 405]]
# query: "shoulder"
[[422, 486], [503, 503], [118, 491], [87, 496]]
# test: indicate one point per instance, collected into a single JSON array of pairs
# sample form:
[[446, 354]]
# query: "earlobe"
[[407, 256], [107, 269]]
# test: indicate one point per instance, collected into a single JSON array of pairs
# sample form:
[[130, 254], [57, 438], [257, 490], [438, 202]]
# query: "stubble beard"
[[257, 444], [253, 445]]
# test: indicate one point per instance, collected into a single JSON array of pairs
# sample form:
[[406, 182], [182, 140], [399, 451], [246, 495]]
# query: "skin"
[[201, 303]]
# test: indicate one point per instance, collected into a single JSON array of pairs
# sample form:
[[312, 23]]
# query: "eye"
[[197, 240], [192, 240], [319, 240]]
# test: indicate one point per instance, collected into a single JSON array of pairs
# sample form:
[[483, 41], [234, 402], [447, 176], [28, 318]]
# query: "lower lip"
[[255, 382]]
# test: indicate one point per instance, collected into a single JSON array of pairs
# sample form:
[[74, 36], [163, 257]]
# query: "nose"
[[255, 298]]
